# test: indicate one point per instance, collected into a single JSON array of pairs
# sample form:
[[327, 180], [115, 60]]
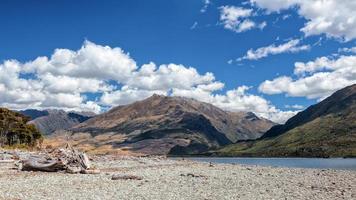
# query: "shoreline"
[[282, 162], [165, 178]]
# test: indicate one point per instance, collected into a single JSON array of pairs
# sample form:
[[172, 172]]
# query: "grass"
[[329, 136]]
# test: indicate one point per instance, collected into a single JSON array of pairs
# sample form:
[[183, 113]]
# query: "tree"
[[14, 129]]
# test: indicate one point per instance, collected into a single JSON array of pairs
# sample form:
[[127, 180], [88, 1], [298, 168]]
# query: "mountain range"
[[183, 126], [326, 129], [170, 125], [49, 121]]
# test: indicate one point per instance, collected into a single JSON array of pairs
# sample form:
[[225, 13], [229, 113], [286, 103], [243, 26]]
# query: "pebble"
[[165, 179]]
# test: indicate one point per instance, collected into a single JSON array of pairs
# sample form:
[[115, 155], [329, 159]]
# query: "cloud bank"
[[69, 79], [315, 79], [334, 18]]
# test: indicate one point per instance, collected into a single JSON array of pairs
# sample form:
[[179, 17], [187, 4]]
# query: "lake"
[[320, 163]]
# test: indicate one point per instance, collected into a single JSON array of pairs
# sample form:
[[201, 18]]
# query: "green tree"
[[14, 129]]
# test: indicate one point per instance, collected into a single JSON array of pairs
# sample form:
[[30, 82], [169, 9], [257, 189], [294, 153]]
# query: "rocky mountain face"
[[322, 130], [49, 121], [171, 125]]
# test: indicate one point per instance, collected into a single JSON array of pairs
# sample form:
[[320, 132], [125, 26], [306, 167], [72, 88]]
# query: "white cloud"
[[347, 50], [245, 25], [149, 77], [262, 25], [335, 18], [284, 17], [295, 106], [315, 79], [91, 61], [67, 78], [289, 47], [194, 26], [239, 100], [274, 5], [236, 19], [205, 6]]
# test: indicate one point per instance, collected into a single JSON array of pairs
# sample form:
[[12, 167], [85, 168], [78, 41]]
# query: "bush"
[[14, 129]]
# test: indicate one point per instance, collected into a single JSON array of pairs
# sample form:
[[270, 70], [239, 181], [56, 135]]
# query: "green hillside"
[[332, 133]]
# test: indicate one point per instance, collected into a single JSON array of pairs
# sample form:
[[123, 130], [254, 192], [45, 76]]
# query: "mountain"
[[322, 130], [49, 121], [14, 129], [33, 113], [171, 125]]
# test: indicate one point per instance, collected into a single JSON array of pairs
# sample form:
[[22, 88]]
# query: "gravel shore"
[[161, 178]]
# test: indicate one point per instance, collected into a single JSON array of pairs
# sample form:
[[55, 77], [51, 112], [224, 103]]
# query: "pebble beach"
[[163, 178]]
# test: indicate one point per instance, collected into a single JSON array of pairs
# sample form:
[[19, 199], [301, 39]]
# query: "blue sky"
[[187, 33]]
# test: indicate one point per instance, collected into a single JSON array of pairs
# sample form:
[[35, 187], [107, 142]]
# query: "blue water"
[[319, 163]]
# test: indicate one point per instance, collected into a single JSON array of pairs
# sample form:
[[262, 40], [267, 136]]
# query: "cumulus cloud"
[[238, 99], [66, 79], [315, 79], [91, 61], [291, 46], [236, 19], [334, 18]]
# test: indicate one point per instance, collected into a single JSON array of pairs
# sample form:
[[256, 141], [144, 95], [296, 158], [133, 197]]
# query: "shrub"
[[14, 129]]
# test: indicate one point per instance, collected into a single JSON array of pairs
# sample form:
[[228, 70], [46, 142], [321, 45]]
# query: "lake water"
[[320, 163]]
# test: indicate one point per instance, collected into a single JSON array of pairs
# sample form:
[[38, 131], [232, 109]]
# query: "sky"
[[271, 57]]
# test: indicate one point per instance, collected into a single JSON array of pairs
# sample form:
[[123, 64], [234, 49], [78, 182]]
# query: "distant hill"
[[33, 113], [322, 130], [171, 125], [49, 121]]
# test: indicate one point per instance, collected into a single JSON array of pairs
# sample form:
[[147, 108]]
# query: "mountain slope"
[[176, 125], [33, 113], [325, 129], [49, 121]]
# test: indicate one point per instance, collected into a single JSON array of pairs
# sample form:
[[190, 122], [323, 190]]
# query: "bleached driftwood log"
[[68, 159], [39, 164]]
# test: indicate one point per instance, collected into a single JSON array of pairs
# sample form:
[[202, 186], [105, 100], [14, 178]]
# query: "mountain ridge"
[[326, 129], [51, 120], [173, 122]]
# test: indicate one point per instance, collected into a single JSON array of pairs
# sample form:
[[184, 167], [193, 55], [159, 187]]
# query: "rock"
[[125, 177], [192, 175], [90, 171], [73, 170]]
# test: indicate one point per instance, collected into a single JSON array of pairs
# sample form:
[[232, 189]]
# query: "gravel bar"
[[161, 178]]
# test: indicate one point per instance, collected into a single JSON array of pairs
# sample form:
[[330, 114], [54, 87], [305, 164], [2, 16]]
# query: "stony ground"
[[167, 179]]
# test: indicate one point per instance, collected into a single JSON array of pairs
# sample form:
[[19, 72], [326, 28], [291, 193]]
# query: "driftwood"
[[38, 164], [68, 160], [7, 161]]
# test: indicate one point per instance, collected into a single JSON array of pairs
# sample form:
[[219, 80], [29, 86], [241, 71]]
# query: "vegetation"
[[14, 130], [327, 129], [329, 136]]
